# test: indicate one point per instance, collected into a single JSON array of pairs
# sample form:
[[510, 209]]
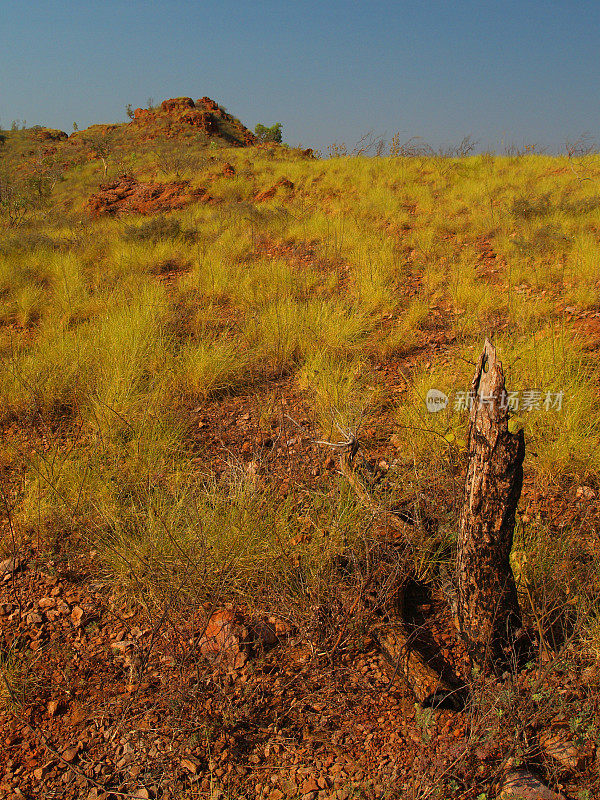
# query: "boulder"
[[176, 104], [231, 639]]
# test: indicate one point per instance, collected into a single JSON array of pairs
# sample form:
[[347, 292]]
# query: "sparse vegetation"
[[166, 380]]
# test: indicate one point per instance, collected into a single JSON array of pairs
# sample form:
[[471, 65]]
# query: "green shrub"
[[266, 134]]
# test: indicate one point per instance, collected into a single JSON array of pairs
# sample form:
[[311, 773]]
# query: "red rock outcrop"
[[268, 194], [51, 135], [209, 105], [200, 119], [176, 116], [176, 104], [128, 195]]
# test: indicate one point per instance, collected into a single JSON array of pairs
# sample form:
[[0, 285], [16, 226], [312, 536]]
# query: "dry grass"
[[103, 360]]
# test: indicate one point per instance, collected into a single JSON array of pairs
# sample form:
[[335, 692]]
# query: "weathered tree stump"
[[487, 603]]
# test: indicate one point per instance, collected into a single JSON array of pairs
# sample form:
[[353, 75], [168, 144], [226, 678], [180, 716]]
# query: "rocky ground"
[[106, 699], [109, 694]]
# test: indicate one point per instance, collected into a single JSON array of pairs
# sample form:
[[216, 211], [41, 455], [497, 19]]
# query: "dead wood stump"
[[487, 603]]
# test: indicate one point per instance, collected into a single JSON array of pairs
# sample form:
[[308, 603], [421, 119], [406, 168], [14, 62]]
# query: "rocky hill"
[[228, 516]]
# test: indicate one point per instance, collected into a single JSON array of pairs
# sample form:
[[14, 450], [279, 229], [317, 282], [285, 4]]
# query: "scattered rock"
[[225, 638], [228, 170], [263, 633], [247, 449], [309, 785], [123, 645], [585, 493]]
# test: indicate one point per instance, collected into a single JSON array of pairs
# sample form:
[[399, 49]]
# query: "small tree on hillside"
[[266, 134], [100, 147]]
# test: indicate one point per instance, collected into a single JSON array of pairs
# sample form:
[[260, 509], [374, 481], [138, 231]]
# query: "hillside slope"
[[193, 594]]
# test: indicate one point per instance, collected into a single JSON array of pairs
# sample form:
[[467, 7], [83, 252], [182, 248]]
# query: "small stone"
[[52, 707], [77, 616], [10, 565], [70, 754], [122, 646], [189, 765], [309, 785], [398, 442]]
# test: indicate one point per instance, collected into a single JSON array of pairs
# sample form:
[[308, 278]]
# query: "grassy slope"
[[114, 333]]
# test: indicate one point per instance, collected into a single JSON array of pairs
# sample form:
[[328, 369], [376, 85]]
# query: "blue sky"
[[329, 71]]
